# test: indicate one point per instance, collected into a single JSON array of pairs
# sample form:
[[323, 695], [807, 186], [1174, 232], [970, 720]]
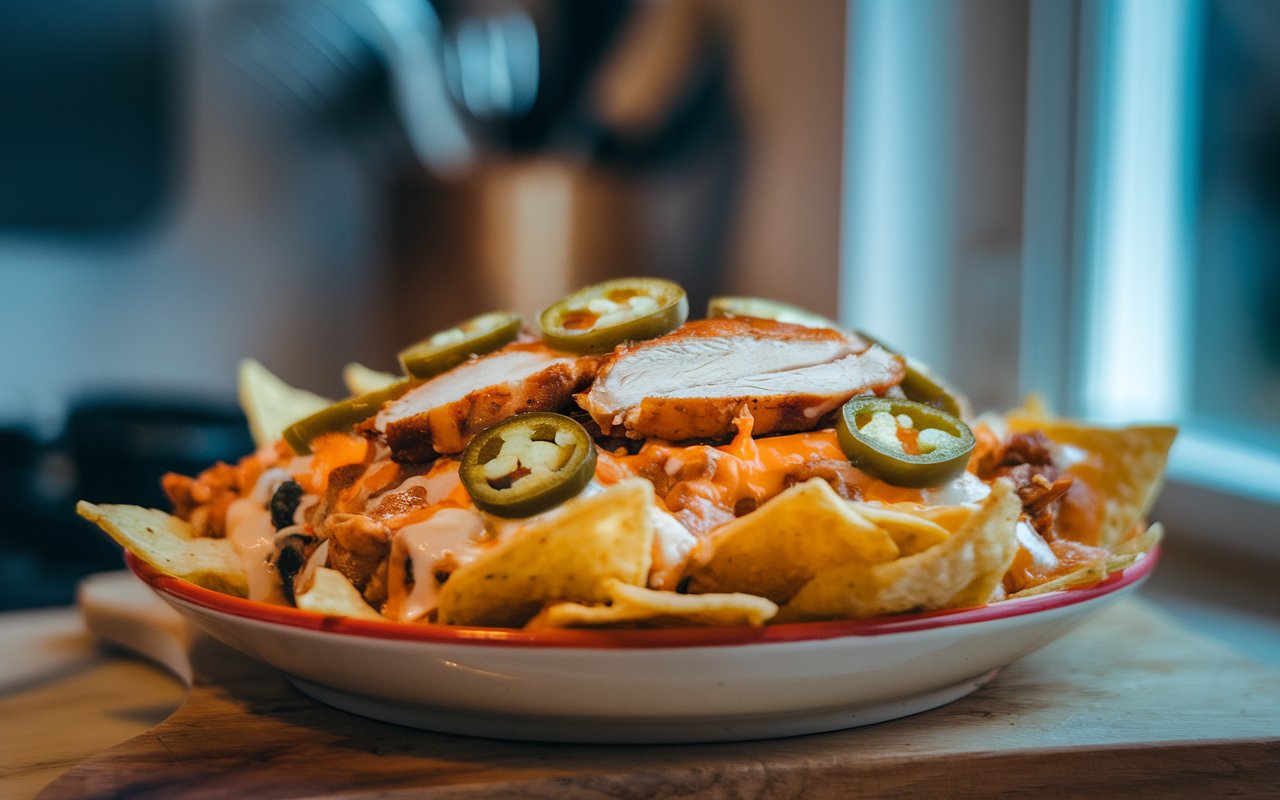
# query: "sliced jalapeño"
[[342, 415], [903, 442], [919, 385], [600, 317], [527, 464], [447, 349]]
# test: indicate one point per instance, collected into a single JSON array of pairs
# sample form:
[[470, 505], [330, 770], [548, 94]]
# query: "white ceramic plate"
[[682, 685]]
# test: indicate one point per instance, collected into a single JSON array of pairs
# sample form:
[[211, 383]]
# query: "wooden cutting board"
[[1129, 702]]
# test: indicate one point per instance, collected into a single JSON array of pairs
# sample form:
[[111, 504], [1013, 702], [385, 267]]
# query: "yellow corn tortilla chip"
[[1142, 543], [270, 404], [570, 555], [360, 379], [1130, 550], [777, 548], [962, 571], [1124, 467], [171, 546], [331, 593], [1034, 406], [638, 607], [1085, 575], [912, 533]]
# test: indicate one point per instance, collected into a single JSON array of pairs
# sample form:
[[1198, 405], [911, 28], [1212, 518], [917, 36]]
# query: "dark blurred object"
[[322, 64], [39, 559], [519, 68], [86, 113], [114, 450], [121, 445], [460, 79]]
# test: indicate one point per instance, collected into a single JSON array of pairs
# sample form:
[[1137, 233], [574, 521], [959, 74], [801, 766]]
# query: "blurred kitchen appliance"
[[513, 177]]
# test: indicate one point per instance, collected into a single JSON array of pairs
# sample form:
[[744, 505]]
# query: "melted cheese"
[[329, 451], [755, 470], [1038, 560]]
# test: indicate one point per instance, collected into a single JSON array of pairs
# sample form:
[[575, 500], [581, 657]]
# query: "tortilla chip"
[[360, 379], [272, 405], [1034, 406], [332, 594], [638, 607], [962, 571], [171, 546], [912, 533], [1142, 543], [1124, 467], [571, 555], [1130, 550], [777, 548], [1085, 575]]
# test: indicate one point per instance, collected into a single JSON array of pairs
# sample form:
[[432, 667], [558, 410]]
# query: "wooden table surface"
[[1130, 702]]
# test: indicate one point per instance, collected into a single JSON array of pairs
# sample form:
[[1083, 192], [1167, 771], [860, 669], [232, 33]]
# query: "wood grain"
[[1130, 702]]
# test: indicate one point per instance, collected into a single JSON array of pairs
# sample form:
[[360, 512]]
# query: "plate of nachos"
[[622, 524]]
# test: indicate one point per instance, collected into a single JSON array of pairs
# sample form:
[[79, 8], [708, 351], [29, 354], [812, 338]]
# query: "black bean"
[[284, 503], [290, 556]]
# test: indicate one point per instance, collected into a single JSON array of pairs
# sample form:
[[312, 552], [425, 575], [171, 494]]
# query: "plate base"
[[629, 730]]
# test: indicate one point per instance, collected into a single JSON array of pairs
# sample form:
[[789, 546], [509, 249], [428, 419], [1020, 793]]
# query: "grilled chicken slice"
[[442, 415], [692, 382]]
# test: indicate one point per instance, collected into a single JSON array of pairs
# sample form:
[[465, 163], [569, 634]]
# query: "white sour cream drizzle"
[[1036, 547], [449, 531], [251, 533], [438, 483], [672, 543], [1066, 456], [267, 484], [966, 488]]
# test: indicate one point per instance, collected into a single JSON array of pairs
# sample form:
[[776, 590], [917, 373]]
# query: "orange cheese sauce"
[[1083, 507], [746, 472], [578, 320], [330, 451], [909, 439], [1026, 571]]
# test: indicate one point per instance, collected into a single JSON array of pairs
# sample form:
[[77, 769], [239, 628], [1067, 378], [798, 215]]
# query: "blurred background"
[[1077, 198]]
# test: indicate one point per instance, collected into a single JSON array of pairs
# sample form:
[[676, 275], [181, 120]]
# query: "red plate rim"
[[633, 638]]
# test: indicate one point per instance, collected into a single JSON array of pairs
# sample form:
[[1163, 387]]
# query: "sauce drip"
[[251, 533], [417, 549]]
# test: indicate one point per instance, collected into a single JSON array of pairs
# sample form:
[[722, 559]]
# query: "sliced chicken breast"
[[692, 382], [441, 415]]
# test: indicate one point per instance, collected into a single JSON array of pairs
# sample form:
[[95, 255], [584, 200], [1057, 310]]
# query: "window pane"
[[1236, 380]]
